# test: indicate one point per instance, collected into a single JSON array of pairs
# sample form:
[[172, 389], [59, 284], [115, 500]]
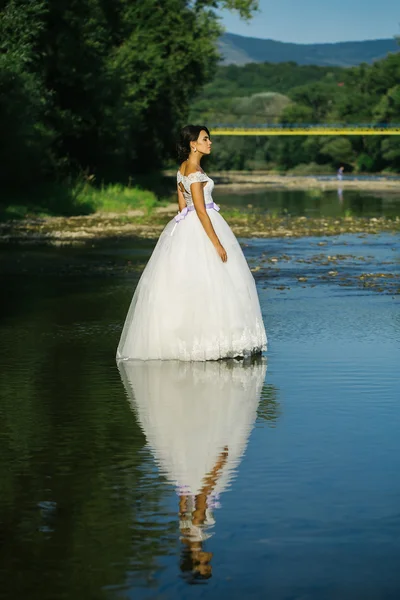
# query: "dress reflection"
[[197, 417]]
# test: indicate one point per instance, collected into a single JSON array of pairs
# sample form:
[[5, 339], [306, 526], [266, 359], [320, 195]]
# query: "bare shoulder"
[[187, 170]]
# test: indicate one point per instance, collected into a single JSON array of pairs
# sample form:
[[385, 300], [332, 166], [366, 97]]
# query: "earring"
[[194, 149]]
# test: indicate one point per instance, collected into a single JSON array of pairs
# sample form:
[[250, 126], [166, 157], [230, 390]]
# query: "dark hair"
[[189, 568], [189, 133]]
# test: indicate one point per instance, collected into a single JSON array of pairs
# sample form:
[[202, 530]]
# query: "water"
[[300, 448], [314, 202]]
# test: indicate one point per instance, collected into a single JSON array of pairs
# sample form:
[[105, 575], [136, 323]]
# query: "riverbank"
[[118, 211], [82, 197], [78, 198], [73, 230], [242, 180]]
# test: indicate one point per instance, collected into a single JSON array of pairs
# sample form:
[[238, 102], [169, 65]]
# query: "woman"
[[197, 418], [196, 298]]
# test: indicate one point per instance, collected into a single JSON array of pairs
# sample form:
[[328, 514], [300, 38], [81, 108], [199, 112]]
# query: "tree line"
[[270, 93], [100, 86]]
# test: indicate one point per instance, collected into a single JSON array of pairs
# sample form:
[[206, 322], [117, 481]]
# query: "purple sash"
[[183, 213]]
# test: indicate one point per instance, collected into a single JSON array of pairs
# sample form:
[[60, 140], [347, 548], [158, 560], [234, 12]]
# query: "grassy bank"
[[76, 199], [81, 198], [62, 214]]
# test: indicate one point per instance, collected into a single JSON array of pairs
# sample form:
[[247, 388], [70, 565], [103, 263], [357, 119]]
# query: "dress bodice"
[[187, 181]]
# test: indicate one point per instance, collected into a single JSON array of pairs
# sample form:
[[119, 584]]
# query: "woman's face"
[[203, 143]]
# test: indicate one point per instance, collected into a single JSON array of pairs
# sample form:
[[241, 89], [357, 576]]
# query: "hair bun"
[[189, 133]]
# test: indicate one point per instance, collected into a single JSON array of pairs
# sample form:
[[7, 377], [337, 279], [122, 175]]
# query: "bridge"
[[305, 129]]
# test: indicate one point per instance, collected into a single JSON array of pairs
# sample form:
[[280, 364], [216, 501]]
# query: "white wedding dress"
[[192, 412], [188, 304]]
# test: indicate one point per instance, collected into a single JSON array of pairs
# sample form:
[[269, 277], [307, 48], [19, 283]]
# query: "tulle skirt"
[[188, 304], [197, 417], [190, 412]]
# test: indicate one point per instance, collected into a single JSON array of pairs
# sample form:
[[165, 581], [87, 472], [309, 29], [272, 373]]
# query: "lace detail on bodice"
[[187, 181]]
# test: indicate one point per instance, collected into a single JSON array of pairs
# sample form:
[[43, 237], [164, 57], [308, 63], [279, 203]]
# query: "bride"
[[196, 299], [197, 418]]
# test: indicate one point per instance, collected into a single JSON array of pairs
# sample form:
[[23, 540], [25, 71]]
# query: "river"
[[299, 451]]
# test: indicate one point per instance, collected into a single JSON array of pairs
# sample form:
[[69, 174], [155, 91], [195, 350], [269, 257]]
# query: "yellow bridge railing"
[[307, 130]]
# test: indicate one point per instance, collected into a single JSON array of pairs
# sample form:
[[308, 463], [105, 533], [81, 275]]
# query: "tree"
[[391, 152], [102, 85], [388, 108], [360, 95], [339, 150], [27, 140]]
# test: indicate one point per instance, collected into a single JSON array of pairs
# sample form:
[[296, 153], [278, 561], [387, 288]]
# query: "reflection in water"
[[196, 418], [313, 203]]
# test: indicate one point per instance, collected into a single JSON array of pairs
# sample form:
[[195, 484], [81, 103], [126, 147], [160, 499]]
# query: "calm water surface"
[[314, 202], [295, 457]]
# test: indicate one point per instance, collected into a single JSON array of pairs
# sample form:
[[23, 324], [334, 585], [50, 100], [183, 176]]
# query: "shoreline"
[[58, 231], [234, 180], [148, 223]]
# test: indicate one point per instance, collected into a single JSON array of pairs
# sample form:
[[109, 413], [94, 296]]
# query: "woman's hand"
[[222, 252]]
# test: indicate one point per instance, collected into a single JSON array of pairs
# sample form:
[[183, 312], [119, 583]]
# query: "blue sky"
[[309, 21]]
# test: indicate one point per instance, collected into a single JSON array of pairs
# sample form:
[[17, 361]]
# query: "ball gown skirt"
[[192, 413], [188, 304]]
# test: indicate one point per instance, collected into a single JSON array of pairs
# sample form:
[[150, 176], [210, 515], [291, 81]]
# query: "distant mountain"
[[239, 50]]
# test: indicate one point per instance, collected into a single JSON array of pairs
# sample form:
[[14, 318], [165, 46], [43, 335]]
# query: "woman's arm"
[[209, 483], [199, 204]]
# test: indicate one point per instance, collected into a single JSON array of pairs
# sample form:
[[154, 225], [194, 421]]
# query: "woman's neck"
[[195, 162]]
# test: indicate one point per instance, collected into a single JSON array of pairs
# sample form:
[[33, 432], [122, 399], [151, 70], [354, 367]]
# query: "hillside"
[[240, 50], [261, 93], [257, 92], [232, 80]]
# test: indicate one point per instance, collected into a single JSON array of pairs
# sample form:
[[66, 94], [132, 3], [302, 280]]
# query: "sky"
[[318, 21]]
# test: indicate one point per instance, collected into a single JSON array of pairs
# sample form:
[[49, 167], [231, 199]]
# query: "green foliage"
[[261, 107], [233, 81], [296, 113], [100, 86], [364, 163], [26, 139], [116, 198], [338, 150], [292, 94], [78, 197], [311, 169], [388, 108], [391, 152]]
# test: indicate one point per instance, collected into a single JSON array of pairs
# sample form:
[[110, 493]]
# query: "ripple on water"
[[299, 464]]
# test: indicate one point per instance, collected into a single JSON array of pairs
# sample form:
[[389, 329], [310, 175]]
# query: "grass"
[[117, 198], [311, 169], [78, 198]]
